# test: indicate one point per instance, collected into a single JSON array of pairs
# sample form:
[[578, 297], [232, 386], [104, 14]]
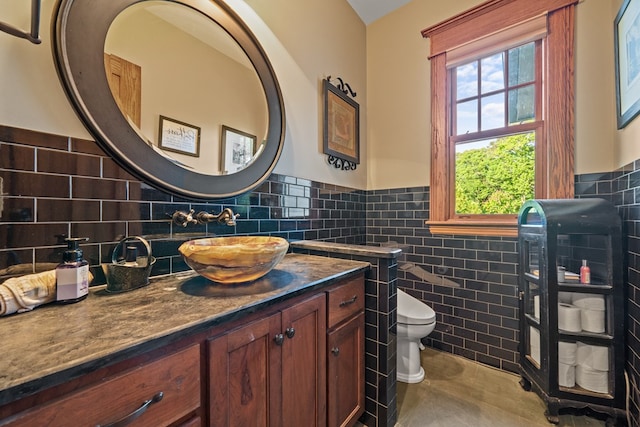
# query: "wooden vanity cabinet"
[[271, 372], [345, 353], [300, 366], [268, 368]]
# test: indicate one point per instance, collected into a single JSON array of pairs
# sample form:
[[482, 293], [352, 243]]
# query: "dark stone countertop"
[[55, 343]]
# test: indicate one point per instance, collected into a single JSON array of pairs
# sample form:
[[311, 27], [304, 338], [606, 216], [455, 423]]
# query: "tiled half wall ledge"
[[380, 323]]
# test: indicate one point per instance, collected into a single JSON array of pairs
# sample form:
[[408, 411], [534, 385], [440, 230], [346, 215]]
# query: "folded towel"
[[20, 294]]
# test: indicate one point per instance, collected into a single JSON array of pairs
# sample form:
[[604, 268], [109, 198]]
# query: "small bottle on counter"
[[585, 273], [72, 274]]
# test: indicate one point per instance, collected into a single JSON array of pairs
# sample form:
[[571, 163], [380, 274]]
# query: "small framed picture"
[[179, 137], [341, 124], [238, 148]]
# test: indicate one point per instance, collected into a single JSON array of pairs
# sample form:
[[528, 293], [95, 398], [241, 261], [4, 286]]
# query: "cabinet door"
[[345, 363], [244, 376], [303, 363]]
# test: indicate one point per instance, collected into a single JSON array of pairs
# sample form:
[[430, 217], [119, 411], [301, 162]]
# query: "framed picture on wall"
[[341, 124], [238, 148], [179, 137], [627, 62]]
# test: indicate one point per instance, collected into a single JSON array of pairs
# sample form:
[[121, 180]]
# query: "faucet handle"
[[183, 219], [230, 219]]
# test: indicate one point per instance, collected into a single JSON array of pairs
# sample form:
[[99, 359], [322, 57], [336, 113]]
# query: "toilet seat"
[[412, 311]]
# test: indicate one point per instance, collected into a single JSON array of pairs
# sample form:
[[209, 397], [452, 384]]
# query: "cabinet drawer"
[[177, 376], [345, 300]]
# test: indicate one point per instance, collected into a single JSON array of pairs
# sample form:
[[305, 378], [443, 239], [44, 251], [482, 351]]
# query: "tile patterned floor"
[[461, 393]]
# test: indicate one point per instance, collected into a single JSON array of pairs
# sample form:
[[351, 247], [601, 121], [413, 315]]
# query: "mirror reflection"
[[188, 88]]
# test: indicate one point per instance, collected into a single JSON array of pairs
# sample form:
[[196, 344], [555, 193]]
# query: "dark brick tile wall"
[[470, 282], [622, 188], [54, 187]]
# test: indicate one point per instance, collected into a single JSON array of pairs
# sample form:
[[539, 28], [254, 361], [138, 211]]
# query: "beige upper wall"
[[596, 149], [306, 42], [32, 96], [398, 90], [398, 86]]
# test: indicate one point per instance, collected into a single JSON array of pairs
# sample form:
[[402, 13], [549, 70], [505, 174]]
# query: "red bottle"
[[585, 273]]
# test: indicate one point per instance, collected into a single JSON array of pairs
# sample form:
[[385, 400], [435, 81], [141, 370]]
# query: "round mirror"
[[179, 93]]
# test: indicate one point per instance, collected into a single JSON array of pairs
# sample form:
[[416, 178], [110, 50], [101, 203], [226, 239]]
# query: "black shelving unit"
[[572, 339]]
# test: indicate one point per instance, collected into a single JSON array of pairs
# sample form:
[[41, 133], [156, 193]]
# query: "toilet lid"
[[412, 311]]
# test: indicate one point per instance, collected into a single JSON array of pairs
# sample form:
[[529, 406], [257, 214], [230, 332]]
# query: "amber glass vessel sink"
[[234, 259]]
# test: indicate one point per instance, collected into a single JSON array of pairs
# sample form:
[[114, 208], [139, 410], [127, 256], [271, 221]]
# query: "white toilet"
[[415, 321]]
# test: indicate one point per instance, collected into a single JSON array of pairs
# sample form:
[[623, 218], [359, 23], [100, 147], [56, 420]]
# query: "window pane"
[[522, 105], [492, 73], [495, 176], [522, 64], [467, 117], [467, 80], [492, 111]]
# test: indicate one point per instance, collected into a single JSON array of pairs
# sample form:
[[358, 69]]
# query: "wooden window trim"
[[554, 163], [485, 19], [516, 35]]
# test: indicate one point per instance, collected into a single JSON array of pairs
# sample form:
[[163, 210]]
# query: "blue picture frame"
[[627, 62]]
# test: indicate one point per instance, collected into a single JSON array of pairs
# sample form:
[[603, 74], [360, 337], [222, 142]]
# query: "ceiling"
[[370, 10]]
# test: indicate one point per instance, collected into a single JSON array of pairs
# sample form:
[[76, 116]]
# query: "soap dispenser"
[[72, 274]]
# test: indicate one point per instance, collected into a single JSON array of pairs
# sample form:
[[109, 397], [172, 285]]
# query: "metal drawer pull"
[[290, 332], [279, 339], [349, 301], [122, 422], [335, 351]]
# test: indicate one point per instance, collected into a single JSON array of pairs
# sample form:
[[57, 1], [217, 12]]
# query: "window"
[[494, 123], [502, 113]]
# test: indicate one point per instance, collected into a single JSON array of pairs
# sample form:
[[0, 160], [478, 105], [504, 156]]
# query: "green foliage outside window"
[[496, 179]]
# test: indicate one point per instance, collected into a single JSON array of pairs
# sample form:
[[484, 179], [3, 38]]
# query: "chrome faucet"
[[225, 217]]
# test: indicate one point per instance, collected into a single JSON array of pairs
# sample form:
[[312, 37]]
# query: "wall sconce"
[[33, 36]]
